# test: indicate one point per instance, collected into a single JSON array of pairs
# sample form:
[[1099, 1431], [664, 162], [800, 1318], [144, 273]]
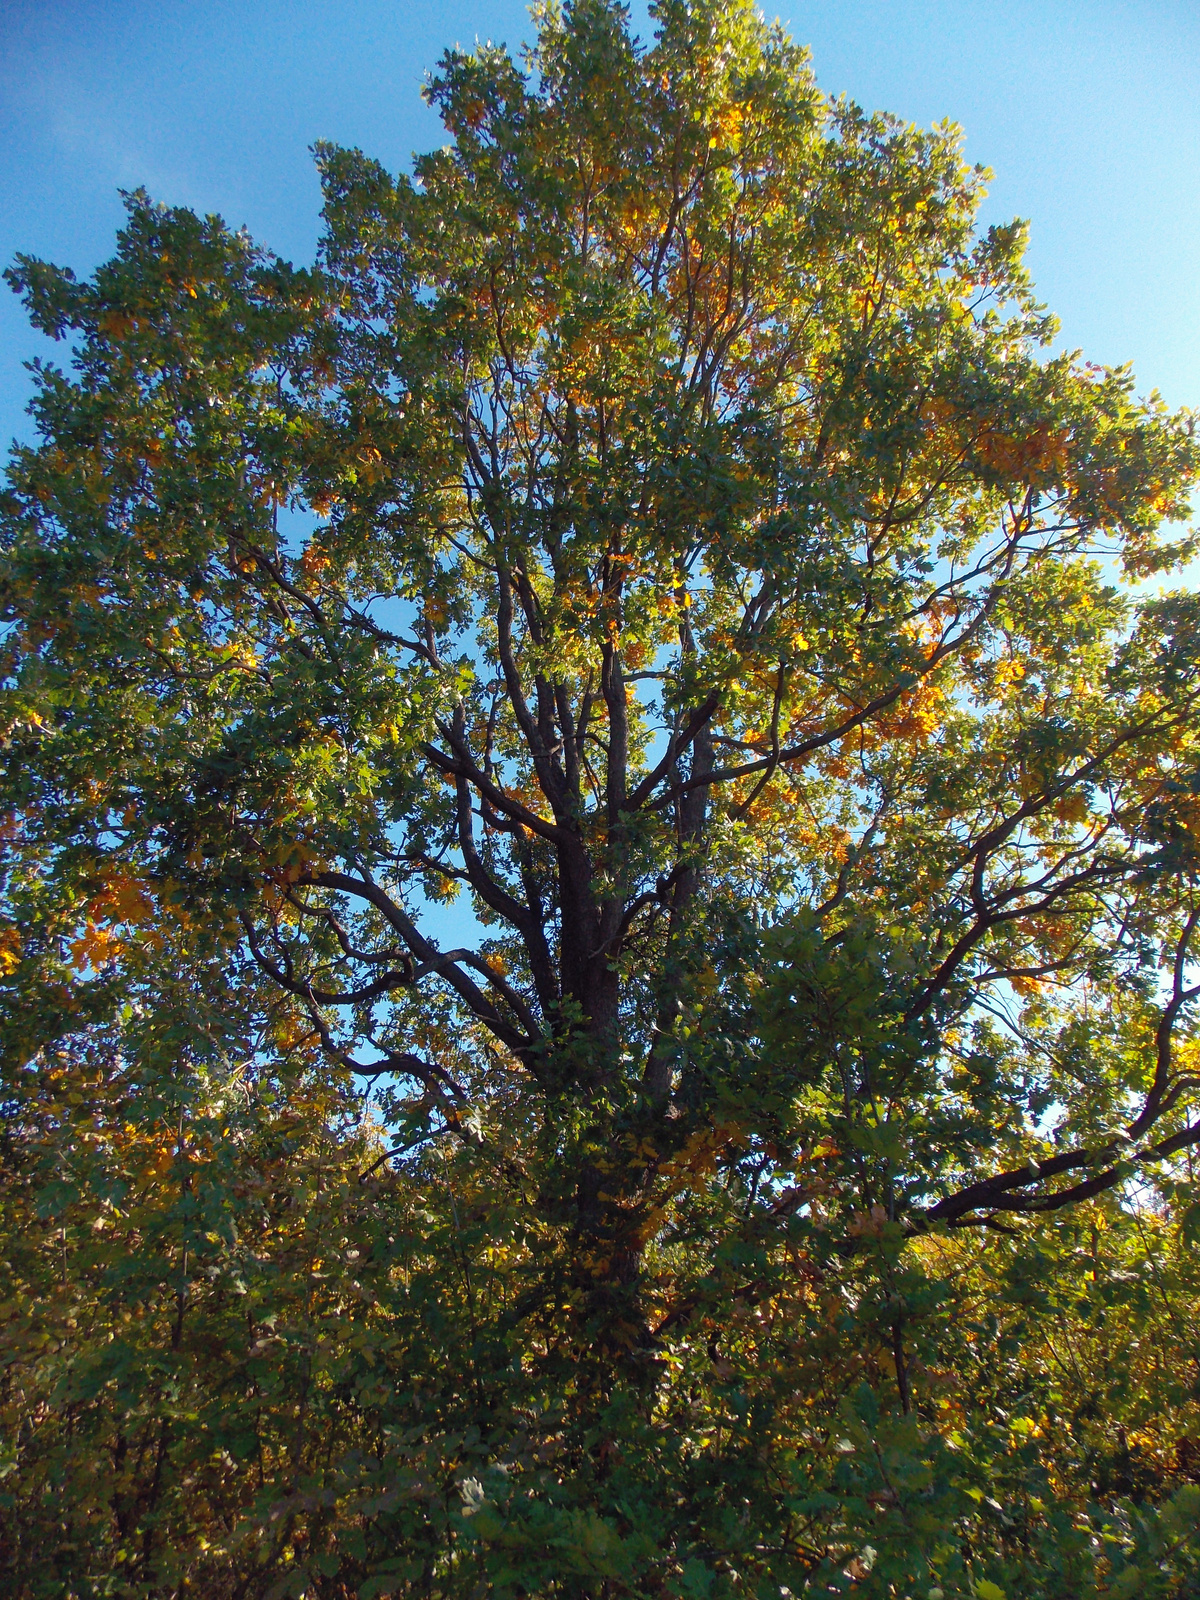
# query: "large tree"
[[656, 543]]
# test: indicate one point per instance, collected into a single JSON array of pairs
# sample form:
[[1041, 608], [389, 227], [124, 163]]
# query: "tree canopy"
[[601, 839]]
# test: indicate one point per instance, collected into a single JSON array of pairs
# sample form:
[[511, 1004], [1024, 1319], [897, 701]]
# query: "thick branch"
[[431, 958], [996, 1193]]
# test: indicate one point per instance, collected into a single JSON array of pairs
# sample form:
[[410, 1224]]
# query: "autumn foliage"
[[601, 826]]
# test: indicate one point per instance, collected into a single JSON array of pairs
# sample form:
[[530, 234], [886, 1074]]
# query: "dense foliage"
[[601, 836]]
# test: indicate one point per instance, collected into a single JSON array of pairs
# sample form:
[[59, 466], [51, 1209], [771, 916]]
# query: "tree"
[[659, 526]]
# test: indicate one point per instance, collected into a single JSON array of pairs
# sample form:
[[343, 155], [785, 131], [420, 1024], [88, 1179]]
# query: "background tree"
[[660, 525]]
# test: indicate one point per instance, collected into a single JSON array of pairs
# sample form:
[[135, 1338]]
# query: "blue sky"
[[1087, 110]]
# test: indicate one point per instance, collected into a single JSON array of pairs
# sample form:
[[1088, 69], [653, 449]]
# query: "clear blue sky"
[[1087, 110]]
